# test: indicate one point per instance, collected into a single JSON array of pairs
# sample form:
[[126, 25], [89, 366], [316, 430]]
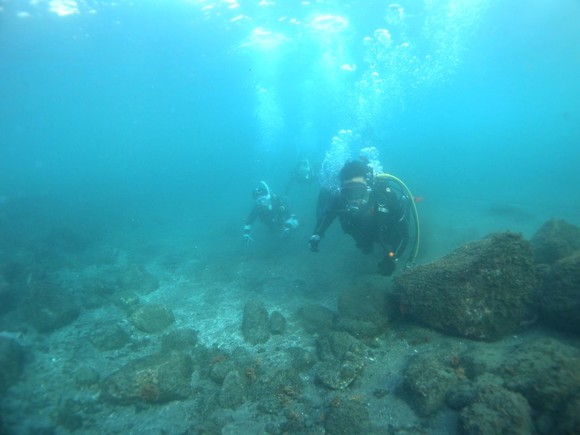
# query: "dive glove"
[[313, 242]]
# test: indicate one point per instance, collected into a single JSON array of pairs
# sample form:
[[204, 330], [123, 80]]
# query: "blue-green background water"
[[182, 106], [133, 133]]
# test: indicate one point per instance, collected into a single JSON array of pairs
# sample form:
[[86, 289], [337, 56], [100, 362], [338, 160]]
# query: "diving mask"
[[355, 193]]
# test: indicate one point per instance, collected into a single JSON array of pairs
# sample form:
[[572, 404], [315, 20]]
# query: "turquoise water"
[[467, 99], [133, 133]]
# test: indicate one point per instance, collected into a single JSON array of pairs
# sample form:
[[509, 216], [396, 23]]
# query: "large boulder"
[[554, 240], [483, 290], [560, 295]]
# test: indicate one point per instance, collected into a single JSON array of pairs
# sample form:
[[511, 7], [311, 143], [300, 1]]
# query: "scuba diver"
[[303, 173], [271, 210], [372, 209]]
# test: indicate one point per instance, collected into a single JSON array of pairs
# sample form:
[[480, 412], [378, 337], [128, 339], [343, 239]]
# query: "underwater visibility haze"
[[132, 135]]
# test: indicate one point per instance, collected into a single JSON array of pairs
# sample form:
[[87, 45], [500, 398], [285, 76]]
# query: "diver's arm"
[[250, 221], [323, 223], [325, 214]]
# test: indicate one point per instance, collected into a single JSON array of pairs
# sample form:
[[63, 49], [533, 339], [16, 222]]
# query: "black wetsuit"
[[274, 216], [382, 220]]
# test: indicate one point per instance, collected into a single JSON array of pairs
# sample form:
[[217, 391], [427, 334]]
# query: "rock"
[[342, 359], [338, 375], [546, 372], [11, 362], [152, 318], [277, 323], [560, 295], [555, 240], [220, 369], [233, 391], [427, 381], [152, 379], [347, 416], [483, 290], [255, 324], [497, 411], [276, 388]]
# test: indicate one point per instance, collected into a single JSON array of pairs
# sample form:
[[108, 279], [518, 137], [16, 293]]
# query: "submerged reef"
[[483, 340]]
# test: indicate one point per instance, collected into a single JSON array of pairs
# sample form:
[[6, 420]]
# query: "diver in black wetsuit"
[[370, 210], [271, 210]]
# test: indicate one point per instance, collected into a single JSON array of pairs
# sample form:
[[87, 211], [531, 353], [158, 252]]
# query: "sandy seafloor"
[[206, 278]]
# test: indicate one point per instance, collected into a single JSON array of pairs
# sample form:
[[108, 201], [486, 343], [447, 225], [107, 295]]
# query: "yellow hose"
[[414, 210]]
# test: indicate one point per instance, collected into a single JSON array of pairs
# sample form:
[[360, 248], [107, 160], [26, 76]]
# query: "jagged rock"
[[152, 318], [483, 290], [555, 240], [255, 324], [153, 379], [560, 295]]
